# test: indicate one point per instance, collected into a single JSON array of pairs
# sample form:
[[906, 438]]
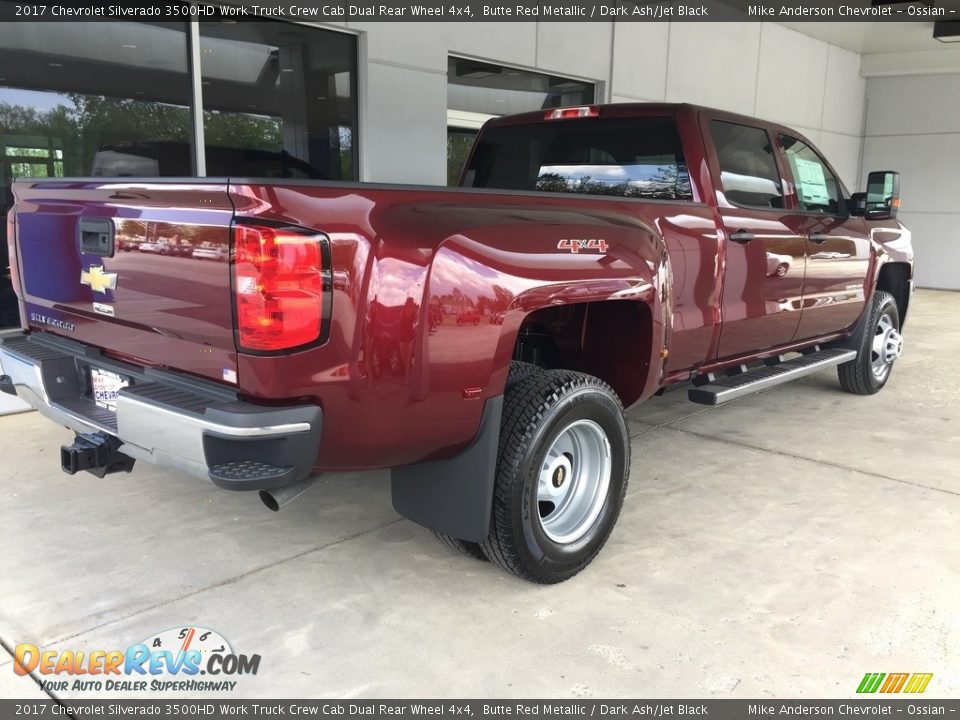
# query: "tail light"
[[279, 286], [12, 251], [585, 111]]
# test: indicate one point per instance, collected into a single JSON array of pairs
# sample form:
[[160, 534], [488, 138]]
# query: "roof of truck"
[[626, 110]]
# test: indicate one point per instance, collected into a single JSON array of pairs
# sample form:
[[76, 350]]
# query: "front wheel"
[[562, 470], [880, 346]]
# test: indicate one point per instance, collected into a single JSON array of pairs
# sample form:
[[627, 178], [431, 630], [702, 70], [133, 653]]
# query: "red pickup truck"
[[480, 341]]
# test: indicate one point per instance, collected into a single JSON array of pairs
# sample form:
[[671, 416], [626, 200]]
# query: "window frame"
[[717, 170], [195, 73], [795, 203]]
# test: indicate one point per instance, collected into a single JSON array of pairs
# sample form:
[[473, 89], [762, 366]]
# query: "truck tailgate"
[[138, 269]]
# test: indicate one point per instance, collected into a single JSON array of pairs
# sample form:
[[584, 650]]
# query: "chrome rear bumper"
[[164, 418]]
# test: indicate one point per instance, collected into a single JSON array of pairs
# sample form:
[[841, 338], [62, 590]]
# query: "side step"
[[724, 389]]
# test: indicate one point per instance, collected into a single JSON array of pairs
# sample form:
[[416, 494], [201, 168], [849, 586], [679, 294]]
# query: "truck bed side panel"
[[430, 287]]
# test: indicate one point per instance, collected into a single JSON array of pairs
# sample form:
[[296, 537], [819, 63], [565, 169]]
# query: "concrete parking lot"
[[782, 545]]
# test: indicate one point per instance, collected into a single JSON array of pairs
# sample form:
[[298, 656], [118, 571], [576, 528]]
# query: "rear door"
[[838, 248], [764, 255], [112, 264]]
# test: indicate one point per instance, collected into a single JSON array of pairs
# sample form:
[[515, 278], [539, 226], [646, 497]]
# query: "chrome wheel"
[[887, 347], [574, 480]]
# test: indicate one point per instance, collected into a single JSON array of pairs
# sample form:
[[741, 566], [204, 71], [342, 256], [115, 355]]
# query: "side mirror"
[[857, 204], [881, 201]]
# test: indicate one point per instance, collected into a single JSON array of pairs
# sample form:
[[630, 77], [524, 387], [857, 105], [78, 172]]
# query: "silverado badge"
[[98, 280]]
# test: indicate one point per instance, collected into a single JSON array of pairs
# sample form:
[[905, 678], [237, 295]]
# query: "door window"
[[748, 168], [817, 187]]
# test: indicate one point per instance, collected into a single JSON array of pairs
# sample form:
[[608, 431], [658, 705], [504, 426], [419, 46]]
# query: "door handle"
[[741, 236], [818, 238]]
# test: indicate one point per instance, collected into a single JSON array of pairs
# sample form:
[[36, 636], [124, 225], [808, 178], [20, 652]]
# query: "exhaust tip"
[[276, 498], [267, 498]]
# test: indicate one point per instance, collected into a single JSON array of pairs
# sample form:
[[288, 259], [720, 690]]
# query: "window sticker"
[[811, 182]]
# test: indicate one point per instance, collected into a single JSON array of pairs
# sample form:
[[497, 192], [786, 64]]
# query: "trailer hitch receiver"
[[97, 453]]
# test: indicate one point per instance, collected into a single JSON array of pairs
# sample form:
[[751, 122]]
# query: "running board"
[[724, 389]]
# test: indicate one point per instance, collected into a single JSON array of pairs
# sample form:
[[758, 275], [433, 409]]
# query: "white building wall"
[[913, 126], [758, 69]]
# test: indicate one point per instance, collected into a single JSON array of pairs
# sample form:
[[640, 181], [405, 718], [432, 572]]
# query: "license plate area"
[[105, 386]]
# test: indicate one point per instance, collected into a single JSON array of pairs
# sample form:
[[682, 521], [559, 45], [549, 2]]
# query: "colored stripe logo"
[[894, 683]]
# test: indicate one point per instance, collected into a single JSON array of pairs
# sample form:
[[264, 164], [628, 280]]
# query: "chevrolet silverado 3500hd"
[[480, 341]]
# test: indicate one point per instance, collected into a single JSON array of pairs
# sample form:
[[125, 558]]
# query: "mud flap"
[[855, 339], [454, 496]]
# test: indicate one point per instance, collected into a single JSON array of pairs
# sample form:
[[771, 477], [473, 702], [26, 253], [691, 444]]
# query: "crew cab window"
[[623, 157], [817, 188], [748, 169]]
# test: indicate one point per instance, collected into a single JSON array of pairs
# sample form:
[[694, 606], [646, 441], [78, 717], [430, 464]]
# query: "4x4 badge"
[[576, 245], [98, 280]]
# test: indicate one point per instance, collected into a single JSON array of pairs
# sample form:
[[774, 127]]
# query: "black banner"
[[485, 10]]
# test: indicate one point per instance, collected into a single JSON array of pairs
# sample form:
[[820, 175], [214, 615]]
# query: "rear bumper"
[[163, 418]]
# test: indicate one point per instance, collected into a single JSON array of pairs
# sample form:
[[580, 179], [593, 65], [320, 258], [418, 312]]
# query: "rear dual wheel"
[[464, 547], [562, 471], [561, 476], [518, 371]]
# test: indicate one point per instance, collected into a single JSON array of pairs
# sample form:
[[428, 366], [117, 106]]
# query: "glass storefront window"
[[107, 99], [476, 88], [481, 87], [279, 100], [69, 92], [74, 95], [459, 142]]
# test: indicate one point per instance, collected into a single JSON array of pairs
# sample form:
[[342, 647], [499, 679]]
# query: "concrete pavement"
[[783, 545]]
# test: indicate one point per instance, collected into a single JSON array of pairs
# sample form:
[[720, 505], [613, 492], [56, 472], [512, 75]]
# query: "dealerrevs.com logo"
[[178, 659]]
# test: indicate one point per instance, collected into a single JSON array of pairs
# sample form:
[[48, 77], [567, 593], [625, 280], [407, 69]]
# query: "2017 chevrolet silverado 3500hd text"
[[481, 341]]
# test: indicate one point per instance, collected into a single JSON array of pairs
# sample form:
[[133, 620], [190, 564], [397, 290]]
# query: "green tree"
[[246, 131], [83, 124]]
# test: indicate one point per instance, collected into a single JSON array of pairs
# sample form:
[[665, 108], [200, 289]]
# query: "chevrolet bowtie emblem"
[[98, 280]]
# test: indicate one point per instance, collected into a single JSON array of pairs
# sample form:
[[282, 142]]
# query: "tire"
[[558, 425], [879, 348], [464, 547], [518, 371]]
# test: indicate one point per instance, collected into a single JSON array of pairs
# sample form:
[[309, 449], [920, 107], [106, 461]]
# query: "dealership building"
[[401, 102]]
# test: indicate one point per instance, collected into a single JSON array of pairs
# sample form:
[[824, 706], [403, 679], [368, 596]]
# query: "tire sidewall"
[[883, 305], [588, 403]]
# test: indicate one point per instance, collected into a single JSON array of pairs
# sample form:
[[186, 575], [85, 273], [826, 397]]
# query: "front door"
[[838, 247]]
